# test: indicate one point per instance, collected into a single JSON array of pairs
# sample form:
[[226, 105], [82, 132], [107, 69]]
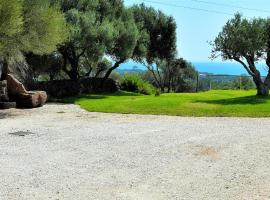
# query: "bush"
[[134, 83]]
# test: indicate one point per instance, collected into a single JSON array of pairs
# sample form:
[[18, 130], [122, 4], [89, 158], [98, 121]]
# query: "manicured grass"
[[222, 103]]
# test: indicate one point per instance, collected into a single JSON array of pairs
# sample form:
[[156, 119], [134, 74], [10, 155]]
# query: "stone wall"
[[65, 88], [3, 91]]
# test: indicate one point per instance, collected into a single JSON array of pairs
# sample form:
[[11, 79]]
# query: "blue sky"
[[196, 27]]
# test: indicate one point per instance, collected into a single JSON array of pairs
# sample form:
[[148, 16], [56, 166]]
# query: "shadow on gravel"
[[3, 115], [237, 101], [71, 100], [7, 115]]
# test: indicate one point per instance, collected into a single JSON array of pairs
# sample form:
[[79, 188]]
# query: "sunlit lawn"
[[213, 103]]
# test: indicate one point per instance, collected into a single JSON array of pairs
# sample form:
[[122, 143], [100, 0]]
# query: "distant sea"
[[228, 68]]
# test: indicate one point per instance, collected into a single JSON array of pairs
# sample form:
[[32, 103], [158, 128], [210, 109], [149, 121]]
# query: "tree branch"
[[245, 66], [150, 68]]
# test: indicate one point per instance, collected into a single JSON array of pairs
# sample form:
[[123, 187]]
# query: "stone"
[[3, 91], [7, 105], [24, 98]]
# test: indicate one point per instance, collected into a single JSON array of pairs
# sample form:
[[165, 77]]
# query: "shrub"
[[134, 83], [157, 93]]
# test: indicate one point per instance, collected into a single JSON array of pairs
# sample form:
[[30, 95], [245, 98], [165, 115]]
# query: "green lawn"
[[213, 103]]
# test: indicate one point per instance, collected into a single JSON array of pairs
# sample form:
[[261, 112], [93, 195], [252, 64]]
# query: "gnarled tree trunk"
[[262, 89], [5, 71], [261, 85]]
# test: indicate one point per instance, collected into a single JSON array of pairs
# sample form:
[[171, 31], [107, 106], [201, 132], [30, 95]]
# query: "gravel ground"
[[73, 154]]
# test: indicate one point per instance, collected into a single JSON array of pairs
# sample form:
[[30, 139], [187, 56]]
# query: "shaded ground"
[[72, 154]]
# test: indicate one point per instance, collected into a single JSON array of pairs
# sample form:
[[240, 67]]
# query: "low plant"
[[134, 83]]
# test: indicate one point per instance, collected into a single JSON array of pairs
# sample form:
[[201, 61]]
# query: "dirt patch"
[[209, 151]]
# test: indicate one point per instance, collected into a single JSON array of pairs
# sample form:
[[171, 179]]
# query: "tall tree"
[[125, 41], [91, 27], [28, 26], [246, 42], [160, 38], [173, 75]]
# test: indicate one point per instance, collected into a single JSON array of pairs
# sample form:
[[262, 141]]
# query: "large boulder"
[[24, 98], [22, 72]]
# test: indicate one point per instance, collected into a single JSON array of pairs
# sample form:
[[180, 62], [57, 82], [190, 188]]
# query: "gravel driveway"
[[73, 154]]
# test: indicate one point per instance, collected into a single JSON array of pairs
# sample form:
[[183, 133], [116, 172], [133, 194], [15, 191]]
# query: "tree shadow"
[[96, 96], [251, 100], [72, 100], [123, 94], [3, 115]]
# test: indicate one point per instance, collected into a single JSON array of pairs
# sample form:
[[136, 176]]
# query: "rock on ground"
[[73, 154]]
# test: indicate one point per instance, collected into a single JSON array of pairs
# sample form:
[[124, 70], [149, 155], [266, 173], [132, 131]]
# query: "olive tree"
[[159, 38], [125, 42], [91, 26], [28, 26], [246, 42]]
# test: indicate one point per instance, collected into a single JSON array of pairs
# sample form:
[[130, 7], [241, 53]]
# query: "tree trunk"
[[262, 89], [89, 72], [5, 71], [71, 58], [98, 73], [108, 73], [73, 73], [262, 86]]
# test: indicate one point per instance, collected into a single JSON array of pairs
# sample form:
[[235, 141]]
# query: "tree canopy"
[[91, 24], [158, 38], [29, 26], [107, 28], [247, 42], [84, 36]]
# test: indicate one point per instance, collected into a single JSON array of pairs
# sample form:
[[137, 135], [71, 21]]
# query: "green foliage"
[[95, 69], [161, 29], [44, 65], [116, 76], [241, 38], [134, 83], [29, 26], [243, 83], [225, 83], [176, 75], [125, 38], [93, 32], [101, 28], [11, 28], [246, 41]]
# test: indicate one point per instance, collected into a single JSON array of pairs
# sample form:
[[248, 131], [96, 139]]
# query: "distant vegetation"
[[191, 82]]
